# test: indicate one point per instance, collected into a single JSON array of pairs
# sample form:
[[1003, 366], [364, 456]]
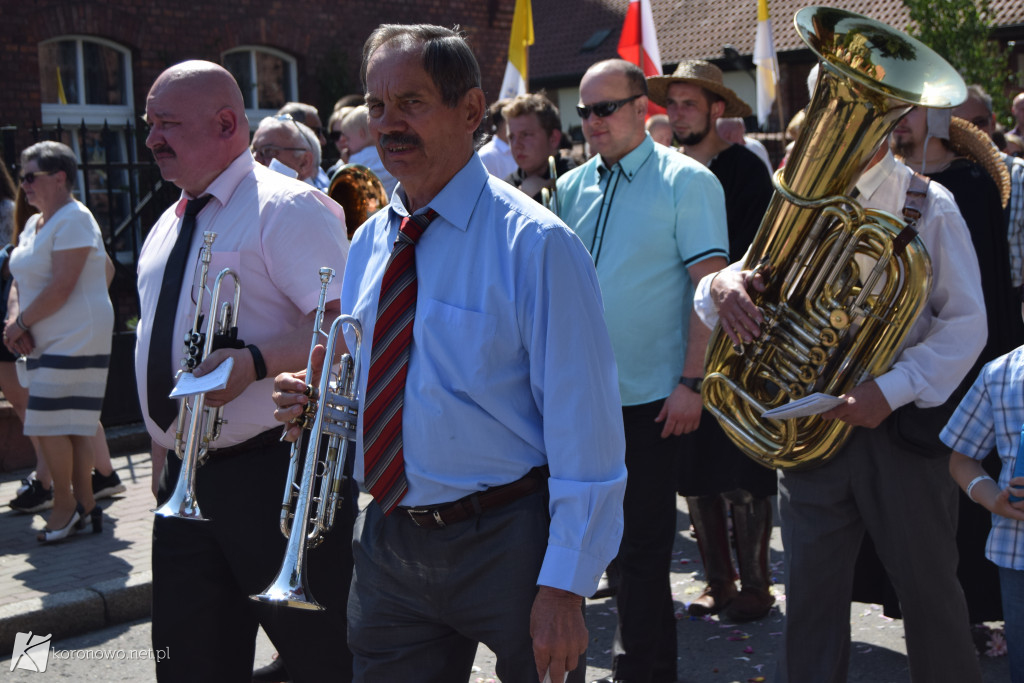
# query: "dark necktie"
[[383, 460], [159, 379]]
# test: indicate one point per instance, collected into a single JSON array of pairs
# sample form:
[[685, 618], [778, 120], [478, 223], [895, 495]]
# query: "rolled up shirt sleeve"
[[948, 337]]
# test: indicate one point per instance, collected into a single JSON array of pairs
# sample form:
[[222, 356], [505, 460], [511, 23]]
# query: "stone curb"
[[72, 612]]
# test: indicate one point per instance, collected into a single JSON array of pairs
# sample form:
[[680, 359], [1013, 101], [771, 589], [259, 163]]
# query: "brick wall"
[[318, 33]]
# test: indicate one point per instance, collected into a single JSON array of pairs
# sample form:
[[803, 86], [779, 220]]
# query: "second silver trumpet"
[[310, 503]]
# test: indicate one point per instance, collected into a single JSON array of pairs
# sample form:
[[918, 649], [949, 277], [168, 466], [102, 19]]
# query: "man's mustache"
[[400, 140], [162, 149]]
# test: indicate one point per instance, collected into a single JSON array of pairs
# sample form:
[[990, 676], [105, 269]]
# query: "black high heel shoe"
[[95, 516], [53, 535]]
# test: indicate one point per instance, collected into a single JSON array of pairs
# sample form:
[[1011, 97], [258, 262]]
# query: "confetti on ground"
[[742, 659], [756, 679], [749, 650], [714, 637]]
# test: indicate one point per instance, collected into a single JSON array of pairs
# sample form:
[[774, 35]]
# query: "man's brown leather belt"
[[443, 515]]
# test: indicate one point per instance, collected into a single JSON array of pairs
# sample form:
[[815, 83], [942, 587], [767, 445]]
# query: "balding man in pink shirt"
[[276, 233]]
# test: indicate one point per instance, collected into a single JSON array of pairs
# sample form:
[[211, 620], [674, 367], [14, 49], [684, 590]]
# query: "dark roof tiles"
[[689, 29]]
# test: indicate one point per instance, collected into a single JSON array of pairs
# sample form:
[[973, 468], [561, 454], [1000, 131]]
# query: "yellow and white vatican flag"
[[767, 63], [516, 79]]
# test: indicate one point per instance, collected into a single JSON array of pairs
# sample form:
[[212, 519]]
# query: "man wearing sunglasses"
[[696, 99], [291, 143], [654, 222], [308, 115]]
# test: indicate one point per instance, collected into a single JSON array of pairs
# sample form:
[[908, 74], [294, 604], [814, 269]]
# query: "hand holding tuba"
[[309, 505], [204, 423]]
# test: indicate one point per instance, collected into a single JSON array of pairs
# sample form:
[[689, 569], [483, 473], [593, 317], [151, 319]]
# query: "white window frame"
[[254, 114], [93, 114]]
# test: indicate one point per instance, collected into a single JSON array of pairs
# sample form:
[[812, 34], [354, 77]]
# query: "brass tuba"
[[204, 424], [313, 493], [844, 284], [359, 192]]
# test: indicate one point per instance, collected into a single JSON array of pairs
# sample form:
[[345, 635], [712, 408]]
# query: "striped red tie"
[[383, 461]]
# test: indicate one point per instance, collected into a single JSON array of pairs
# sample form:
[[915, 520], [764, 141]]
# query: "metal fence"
[[122, 187]]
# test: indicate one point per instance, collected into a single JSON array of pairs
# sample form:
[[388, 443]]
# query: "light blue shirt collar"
[[455, 202], [631, 163]]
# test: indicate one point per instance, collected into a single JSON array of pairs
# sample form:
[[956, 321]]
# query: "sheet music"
[[190, 385], [812, 404]]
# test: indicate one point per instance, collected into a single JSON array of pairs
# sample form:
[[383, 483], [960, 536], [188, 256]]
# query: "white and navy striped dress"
[[68, 368]]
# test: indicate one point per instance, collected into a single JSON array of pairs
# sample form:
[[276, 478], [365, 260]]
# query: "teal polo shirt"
[[645, 220]]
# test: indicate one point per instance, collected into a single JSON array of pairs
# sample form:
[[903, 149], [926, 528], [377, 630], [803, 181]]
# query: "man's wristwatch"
[[692, 383]]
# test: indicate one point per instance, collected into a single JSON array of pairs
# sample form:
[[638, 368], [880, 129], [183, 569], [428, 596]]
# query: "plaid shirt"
[[1015, 229], [990, 416]]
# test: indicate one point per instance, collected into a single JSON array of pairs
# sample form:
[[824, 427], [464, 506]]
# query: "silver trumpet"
[[309, 505], [549, 195], [204, 423]]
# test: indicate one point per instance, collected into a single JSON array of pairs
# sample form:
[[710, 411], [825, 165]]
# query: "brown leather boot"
[[752, 530], [707, 513]]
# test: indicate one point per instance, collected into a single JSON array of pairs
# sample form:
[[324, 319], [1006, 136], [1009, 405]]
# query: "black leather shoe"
[[606, 588], [275, 672]]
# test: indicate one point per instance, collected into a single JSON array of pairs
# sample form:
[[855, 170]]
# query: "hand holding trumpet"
[[291, 394]]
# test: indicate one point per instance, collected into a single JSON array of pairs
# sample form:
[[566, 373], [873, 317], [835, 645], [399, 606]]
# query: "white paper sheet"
[[812, 404], [190, 385]]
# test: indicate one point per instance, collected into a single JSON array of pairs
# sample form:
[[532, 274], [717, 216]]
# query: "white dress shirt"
[[275, 232]]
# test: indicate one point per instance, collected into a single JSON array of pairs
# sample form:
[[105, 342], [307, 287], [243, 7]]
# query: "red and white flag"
[[639, 43]]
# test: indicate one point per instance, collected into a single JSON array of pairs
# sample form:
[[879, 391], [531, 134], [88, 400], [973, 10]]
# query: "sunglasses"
[[30, 177], [603, 109], [272, 151]]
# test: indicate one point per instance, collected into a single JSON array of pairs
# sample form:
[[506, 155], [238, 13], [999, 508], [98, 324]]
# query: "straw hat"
[[704, 74], [968, 140]]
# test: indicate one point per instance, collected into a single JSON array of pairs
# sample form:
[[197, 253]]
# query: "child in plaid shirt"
[[991, 415]]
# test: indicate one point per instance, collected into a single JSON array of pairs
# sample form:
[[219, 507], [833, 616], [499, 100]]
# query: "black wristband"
[[692, 383], [257, 362]]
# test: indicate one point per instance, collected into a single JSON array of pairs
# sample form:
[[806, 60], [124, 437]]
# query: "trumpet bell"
[[289, 589], [182, 504]]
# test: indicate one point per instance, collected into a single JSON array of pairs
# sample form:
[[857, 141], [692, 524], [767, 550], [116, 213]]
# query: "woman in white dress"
[[63, 323]]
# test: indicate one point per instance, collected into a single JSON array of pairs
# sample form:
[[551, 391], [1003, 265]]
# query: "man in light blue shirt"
[[511, 380], [654, 222]]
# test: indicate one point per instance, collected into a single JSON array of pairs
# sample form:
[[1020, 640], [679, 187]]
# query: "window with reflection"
[[83, 71], [85, 83], [267, 78]]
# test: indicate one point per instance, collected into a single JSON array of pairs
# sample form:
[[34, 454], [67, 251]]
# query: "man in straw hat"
[[713, 473], [654, 222], [977, 110]]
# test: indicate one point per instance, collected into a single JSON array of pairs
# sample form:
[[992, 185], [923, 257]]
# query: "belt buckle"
[[433, 512]]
